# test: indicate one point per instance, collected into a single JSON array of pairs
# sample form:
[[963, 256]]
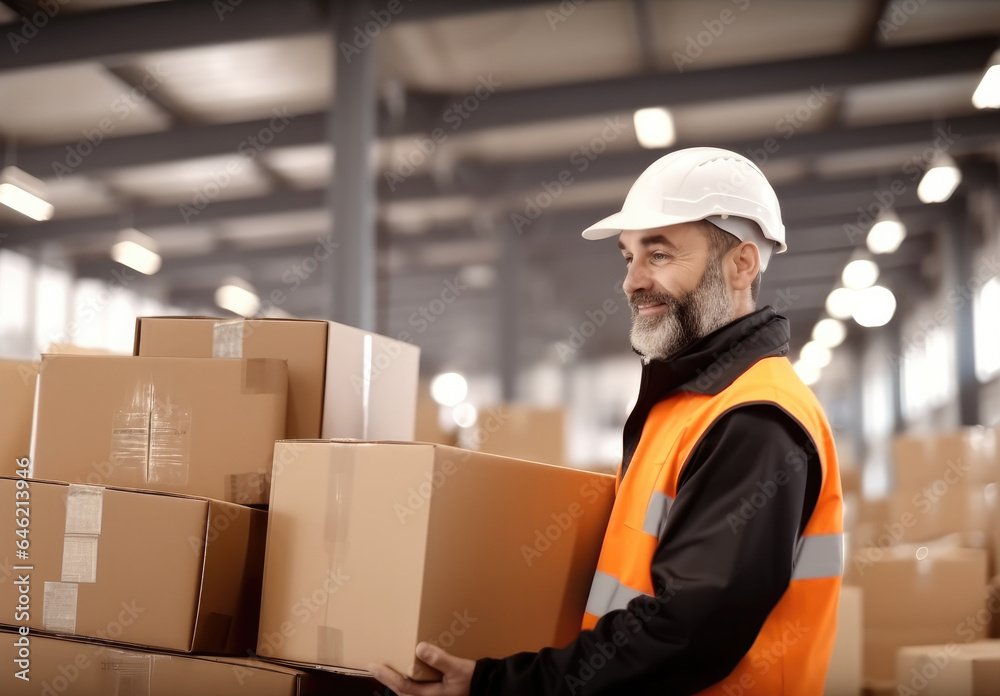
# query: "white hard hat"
[[702, 183]]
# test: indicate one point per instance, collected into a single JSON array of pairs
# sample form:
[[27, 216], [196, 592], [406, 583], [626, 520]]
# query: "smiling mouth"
[[648, 309]]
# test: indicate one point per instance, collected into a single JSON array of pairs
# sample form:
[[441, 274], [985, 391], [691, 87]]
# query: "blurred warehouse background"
[[424, 169]]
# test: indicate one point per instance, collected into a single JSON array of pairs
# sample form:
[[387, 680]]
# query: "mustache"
[[648, 298]]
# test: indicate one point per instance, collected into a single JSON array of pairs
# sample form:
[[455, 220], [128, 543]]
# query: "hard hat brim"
[[631, 220]]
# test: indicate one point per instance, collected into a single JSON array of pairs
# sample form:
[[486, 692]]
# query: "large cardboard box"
[[952, 669], [963, 456], [917, 595], [59, 665], [17, 399], [147, 569], [342, 381], [936, 511], [196, 426], [843, 678], [374, 546], [525, 432]]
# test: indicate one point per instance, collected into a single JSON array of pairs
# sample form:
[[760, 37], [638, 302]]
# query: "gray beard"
[[699, 313]]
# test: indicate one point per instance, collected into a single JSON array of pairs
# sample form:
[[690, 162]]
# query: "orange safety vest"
[[792, 651]]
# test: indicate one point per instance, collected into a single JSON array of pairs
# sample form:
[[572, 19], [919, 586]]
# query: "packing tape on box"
[[227, 338], [329, 645], [127, 673], [260, 377], [169, 443], [59, 607], [84, 512], [150, 440]]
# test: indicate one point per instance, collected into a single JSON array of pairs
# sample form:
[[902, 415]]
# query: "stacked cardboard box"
[[57, 666], [373, 547], [951, 669], [521, 431], [17, 399], [843, 677]]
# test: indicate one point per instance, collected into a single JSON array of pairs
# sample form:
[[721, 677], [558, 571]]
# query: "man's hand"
[[456, 671]]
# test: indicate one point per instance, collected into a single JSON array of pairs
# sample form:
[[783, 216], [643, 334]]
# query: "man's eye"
[[660, 256], [628, 260]]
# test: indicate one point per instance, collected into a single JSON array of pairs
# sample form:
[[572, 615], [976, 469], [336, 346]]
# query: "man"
[[721, 566]]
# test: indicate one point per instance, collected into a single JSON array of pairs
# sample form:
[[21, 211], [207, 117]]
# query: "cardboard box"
[[917, 595], [952, 669], [938, 511], [59, 665], [195, 426], [148, 569], [966, 456], [342, 381], [524, 432], [17, 400], [375, 546], [843, 678]]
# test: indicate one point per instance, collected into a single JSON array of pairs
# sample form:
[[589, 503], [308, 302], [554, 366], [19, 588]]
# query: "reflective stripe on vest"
[[608, 594], [819, 556], [656, 514]]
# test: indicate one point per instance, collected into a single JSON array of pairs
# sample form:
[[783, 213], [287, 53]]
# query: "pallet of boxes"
[[922, 559], [238, 508]]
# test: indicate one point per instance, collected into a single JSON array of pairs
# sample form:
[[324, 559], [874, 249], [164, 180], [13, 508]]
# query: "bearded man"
[[721, 567]]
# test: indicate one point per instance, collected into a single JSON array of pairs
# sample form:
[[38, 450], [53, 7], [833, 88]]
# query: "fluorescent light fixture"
[[807, 373], [840, 303], [829, 332], [654, 128], [137, 251], [816, 354], [987, 94], [238, 297], [449, 389], [24, 193], [874, 306], [860, 273], [886, 234], [465, 415], [940, 181]]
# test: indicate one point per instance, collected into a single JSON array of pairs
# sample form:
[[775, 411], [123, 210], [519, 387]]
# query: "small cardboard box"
[[71, 666], [17, 400], [195, 426], [342, 381], [952, 669], [917, 595], [525, 432], [843, 677], [147, 569], [375, 546]]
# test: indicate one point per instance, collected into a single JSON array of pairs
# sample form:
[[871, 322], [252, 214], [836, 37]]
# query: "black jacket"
[[718, 575]]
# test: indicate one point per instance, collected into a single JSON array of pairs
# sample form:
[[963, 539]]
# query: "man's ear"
[[743, 265]]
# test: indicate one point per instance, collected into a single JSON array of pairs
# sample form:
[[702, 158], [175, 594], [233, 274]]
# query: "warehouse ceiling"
[[144, 115]]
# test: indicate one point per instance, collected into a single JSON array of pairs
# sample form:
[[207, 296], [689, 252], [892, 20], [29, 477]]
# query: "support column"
[[351, 276], [960, 261], [508, 342]]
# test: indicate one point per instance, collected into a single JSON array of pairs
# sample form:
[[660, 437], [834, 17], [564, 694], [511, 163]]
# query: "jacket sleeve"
[[722, 564]]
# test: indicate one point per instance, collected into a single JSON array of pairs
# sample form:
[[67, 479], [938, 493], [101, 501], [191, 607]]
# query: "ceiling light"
[[238, 297], [860, 273], [654, 128], [939, 182], [24, 193], [806, 372], [840, 303], [874, 306], [886, 234], [829, 332], [816, 354], [449, 388], [465, 415], [137, 251], [987, 94]]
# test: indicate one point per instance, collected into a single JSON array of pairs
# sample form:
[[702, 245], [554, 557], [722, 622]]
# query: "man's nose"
[[636, 278]]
